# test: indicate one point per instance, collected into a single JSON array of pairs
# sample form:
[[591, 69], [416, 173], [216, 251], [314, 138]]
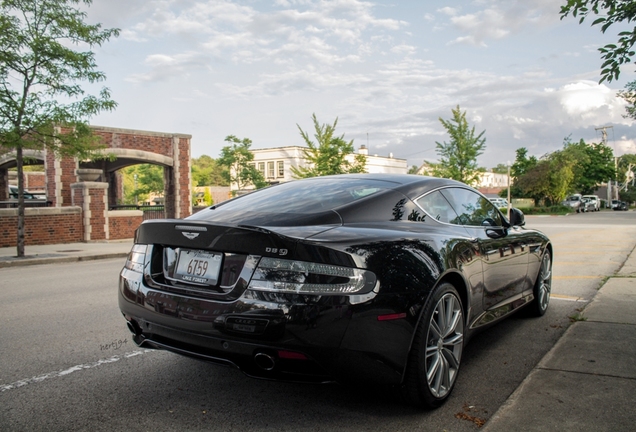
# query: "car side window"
[[437, 207], [471, 208]]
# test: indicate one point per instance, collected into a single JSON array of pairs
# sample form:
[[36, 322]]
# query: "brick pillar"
[[183, 175], [115, 188], [169, 192], [4, 184], [92, 197], [60, 174]]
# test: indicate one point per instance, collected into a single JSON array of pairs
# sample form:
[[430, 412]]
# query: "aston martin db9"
[[372, 277]]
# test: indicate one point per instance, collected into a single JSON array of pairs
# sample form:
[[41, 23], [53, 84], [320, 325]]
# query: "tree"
[[522, 163], [458, 158], [140, 181], [610, 12], [37, 66], [626, 168], [593, 165], [550, 179], [500, 169], [328, 155], [238, 169], [206, 171], [629, 96]]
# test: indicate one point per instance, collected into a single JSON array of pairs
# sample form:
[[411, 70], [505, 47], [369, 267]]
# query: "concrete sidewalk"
[[65, 253], [587, 381]]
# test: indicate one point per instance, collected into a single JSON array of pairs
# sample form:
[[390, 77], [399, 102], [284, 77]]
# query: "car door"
[[503, 249]]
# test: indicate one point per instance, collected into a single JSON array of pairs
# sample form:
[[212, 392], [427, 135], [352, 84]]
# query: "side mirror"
[[516, 217]]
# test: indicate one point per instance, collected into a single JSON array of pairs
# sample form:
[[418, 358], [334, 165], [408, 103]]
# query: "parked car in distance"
[[620, 205], [13, 194], [574, 202], [587, 205], [375, 278], [595, 200], [499, 202]]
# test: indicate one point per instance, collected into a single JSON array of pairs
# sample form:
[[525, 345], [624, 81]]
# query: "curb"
[[34, 260]]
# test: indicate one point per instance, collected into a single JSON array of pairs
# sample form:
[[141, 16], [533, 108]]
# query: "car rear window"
[[306, 196]]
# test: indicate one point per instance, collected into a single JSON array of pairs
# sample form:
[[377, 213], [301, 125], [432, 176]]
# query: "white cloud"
[[499, 19], [448, 11], [164, 67]]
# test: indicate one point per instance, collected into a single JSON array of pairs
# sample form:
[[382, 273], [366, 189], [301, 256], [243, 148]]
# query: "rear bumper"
[[291, 338]]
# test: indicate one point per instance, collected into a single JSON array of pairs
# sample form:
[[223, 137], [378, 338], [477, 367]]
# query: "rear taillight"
[[136, 258], [286, 276]]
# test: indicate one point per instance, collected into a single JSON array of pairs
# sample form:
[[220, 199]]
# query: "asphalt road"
[[67, 361]]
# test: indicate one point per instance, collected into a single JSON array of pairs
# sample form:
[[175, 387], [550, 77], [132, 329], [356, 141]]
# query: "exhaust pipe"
[[265, 361], [133, 327]]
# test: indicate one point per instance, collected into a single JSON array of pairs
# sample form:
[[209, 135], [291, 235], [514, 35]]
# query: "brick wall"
[[123, 223], [42, 226]]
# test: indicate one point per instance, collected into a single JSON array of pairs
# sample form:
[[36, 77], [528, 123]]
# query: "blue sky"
[[388, 70]]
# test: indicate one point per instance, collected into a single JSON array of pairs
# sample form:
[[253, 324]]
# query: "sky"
[[387, 70]]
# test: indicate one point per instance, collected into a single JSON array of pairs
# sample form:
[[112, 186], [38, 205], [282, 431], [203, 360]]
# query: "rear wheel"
[[437, 349], [543, 286]]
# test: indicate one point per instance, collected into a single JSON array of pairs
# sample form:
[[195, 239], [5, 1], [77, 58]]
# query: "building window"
[[270, 169], [261, 168], [281, 169]]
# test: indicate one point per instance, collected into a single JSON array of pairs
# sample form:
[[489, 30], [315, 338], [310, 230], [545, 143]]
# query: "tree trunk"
[[19, 161]]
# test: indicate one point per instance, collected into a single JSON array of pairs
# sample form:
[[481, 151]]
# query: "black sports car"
[[361, 276]]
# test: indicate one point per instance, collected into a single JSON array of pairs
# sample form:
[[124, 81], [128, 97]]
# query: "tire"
[[542, 286], [437, 349]]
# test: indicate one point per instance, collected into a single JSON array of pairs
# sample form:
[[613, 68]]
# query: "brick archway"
[[129, 147]]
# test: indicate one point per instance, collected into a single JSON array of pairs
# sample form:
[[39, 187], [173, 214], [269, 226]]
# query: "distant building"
[[493, 180], [276, 163]]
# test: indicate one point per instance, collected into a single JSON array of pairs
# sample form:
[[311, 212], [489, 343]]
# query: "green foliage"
[[594, 164], [548, 180], [551, 210], [626, 168], [38, 70], [207, 197], [328, 155], [206, 171], [522, 163], [236, 160], [629, 96], [609, 12], [578, 167], [458, 158], [140, 181], [413, 169], [500, 169]]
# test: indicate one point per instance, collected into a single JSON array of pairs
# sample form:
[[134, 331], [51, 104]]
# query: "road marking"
[[577, 277], [567, 298], [57, 374]]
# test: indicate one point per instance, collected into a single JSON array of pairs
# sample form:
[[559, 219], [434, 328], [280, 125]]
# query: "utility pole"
[[603, 130]]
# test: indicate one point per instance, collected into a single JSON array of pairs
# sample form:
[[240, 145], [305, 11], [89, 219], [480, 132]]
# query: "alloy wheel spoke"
[[444, 345]]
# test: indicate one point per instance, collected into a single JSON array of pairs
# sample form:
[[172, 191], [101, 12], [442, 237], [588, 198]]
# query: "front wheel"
[[542, 286], [437, 349]]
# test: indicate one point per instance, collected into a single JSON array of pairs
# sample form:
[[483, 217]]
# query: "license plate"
[[198, 266], [244, 328]]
